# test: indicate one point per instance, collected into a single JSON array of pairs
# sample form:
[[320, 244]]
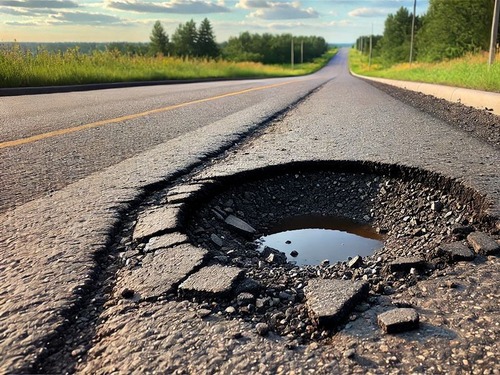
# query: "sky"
[[338, 21]]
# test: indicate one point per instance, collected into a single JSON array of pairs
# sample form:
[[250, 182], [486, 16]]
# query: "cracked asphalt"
[[50, 246]]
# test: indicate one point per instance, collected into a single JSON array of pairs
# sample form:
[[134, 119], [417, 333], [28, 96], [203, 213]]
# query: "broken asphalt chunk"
[[457, 251], [483, 244], [240, 225], [398, 320], [330, 301], [162, 271], [215, 280], [155, 221]]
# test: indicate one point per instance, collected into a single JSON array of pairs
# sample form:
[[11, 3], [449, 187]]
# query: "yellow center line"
[[96, 124]]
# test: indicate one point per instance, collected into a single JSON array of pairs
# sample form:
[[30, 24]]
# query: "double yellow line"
[[96, 124]]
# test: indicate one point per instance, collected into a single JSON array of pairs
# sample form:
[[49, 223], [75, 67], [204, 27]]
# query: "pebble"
[[262, 329]]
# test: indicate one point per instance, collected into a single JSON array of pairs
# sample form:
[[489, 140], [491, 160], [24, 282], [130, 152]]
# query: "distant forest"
[[198, 41]]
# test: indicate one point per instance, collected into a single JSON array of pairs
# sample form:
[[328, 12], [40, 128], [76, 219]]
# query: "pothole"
[[317, 239], [204, 243]]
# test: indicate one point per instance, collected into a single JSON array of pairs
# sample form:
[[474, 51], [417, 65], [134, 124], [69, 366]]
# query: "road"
[[61, 209], [49, 141]]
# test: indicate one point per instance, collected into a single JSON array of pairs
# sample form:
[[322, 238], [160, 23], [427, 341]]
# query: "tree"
[[451, 29], [184, 40], [159, 40], [395, 43], [205, 43]]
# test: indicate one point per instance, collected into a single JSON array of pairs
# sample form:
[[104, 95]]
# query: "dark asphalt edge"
[[103, 271]]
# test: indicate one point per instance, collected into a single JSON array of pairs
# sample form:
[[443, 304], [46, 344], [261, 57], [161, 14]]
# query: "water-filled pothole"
[[312, 239]]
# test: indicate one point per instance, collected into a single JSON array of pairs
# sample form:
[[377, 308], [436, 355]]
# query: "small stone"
[[398, 320], [461, 229], [262, 329], [261, 302], [202, 313], [230, 310], [380, 230], [451, 284], [245, 298], [355, 262], [437, 206], [127, 293], [294, 253], [248, 285], [273, 256], [78, 351], [418, 232], [325, 262], [405, 264], [240, 225], [216, 240], [285, 296], [349, 353], [483, 244]]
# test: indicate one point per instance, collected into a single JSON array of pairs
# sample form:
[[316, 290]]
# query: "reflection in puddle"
[[310, 239]]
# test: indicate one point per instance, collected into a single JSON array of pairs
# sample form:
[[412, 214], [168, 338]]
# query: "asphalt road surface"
[[72, 164], [48, 141]]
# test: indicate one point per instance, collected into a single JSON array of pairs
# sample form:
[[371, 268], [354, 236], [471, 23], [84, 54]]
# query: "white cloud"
[[39, 4], [284, 11], [252, 4], [85, 18], [368, 12], [172, 6]]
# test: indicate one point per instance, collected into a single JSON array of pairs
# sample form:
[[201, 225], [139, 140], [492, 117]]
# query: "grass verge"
[[471, 71], [25, 69]]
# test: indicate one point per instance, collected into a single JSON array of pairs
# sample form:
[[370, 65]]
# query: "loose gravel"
[[415, 218], [476, 122]]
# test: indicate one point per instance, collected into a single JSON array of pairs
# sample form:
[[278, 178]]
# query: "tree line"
[[273, 49], [449, 29], [188, 40]]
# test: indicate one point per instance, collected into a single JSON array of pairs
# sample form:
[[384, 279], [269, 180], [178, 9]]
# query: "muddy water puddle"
[[312, 239]]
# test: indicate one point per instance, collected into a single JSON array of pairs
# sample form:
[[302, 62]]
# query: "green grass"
[[470, 71], [25, 69]]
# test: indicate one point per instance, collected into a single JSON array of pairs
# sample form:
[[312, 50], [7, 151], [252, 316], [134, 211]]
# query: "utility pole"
[[413, 30], [291, 53], [371, 45], [302, 52], [494, 32]]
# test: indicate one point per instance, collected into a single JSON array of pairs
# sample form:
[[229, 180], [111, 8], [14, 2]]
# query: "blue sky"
[[338, 21]]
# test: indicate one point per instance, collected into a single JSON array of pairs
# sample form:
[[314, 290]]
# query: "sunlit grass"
[[25, 69], [471, 71]]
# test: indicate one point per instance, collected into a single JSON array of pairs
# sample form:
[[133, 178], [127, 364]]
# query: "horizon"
[[108, 21]]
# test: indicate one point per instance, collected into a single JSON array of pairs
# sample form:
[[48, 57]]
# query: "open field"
[[25, 69], [470, 72]]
